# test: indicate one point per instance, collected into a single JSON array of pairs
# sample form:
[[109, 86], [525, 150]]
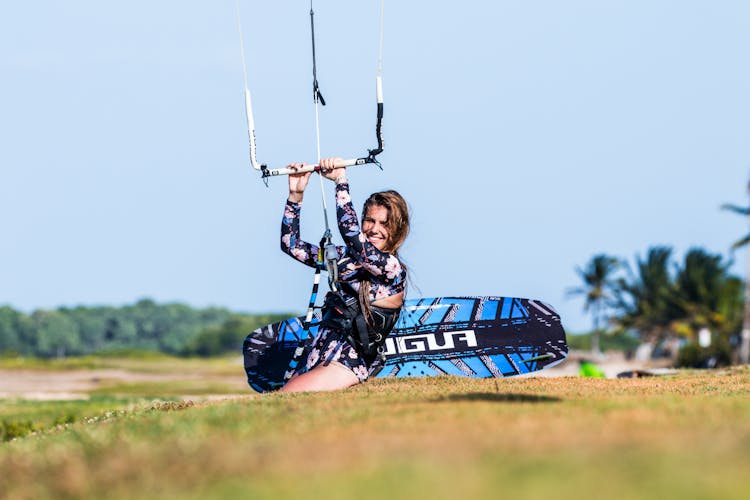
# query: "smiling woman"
[[365, 299]]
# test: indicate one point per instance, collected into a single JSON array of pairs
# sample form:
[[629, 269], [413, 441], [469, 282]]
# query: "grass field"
[[683, 436]]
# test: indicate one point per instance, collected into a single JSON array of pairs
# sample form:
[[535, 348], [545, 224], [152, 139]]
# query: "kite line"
[[371, 157]]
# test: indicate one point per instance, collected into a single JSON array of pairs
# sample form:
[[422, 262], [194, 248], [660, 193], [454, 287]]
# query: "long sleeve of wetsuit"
[[383, 266], [291, 243]]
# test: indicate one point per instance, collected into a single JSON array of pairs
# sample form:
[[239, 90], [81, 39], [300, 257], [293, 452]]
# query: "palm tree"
[[705, 292], [598, 290], [745, 336], [647, 299]]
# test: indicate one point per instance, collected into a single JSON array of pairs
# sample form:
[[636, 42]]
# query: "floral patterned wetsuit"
[[358, 261]]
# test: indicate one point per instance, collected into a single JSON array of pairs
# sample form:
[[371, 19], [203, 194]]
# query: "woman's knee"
[[322, 378]]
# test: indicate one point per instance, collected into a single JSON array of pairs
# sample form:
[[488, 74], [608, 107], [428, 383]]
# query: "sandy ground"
[[75, 384]]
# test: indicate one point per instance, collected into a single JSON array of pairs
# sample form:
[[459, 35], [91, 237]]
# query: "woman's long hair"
[[397, 224]]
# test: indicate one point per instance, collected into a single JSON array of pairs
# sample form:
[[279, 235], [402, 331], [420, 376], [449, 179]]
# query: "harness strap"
[[362, 331], [346, 315]]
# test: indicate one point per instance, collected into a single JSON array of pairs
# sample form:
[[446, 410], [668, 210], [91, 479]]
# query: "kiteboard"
[[477, 337]]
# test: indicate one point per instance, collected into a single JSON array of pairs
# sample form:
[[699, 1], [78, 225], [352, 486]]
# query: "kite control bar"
[[266, 172], [317, 168], [371, 153]]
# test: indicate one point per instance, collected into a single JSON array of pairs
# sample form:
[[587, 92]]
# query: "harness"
[[368, 338]]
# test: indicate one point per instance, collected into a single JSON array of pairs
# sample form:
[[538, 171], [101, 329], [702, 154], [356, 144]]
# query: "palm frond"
[[736, 209], [573, 291], [741, 243]]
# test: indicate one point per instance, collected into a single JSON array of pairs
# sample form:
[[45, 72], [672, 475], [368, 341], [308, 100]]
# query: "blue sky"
[[526, 136]]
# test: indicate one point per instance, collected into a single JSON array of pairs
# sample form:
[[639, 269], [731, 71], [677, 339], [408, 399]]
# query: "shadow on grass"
[[495, 397]]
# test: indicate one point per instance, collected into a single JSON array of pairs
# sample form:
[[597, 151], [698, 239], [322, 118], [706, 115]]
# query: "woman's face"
[[374, 226]]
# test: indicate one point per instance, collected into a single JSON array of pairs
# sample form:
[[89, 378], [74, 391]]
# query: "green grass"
[[19, 418], [685, 436]]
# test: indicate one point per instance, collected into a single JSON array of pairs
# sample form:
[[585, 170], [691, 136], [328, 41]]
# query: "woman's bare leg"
[[322, 378]]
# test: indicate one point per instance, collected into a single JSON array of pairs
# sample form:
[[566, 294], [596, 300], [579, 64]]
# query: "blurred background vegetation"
[[691, 311], [175, 329]]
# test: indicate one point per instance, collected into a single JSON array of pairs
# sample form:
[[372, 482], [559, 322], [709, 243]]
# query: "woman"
[[372, 281]]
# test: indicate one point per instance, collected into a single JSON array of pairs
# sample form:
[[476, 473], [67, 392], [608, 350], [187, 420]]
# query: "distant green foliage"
[[618, 340], [718, 354], [598, 289], [13, 328], [169, 328], [663, 298], [228, 336]]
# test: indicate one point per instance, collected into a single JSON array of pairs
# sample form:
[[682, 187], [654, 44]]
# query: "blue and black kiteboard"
[[478, 337]]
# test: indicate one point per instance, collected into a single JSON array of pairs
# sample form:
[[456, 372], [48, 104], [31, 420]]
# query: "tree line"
[[658, 299], [170, 328]]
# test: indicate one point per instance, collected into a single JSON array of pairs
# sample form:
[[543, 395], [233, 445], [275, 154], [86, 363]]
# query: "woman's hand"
[[297, 182], [329, 170]]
